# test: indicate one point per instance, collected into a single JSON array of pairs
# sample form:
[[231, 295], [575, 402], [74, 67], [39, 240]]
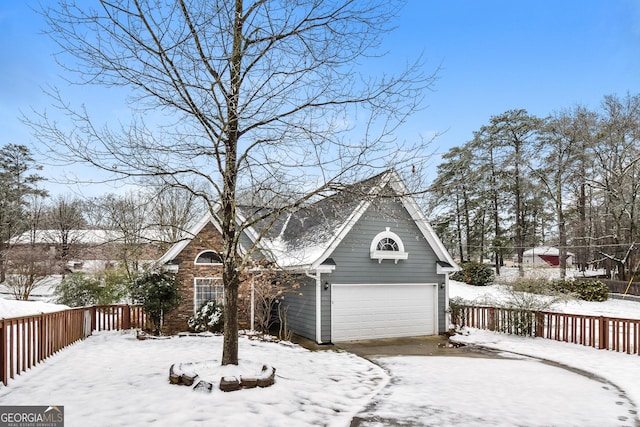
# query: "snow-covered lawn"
[[486, 295], [619, 369], [113, 379]]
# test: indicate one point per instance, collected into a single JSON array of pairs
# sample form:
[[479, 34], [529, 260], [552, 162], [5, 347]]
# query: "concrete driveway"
[[489, 388], [412, 346]]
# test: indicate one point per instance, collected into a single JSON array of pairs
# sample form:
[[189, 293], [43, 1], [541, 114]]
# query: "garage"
[[367, 311]]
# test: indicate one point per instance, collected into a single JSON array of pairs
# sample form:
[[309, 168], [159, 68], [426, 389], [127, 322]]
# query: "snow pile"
[[13, 308]]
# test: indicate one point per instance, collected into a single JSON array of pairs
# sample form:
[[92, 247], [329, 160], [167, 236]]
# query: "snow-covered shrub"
[[159, 293], [208, 318], [532, 285], [78, 290], [587, 290], [115, 286], [457, 306], [474, 273]]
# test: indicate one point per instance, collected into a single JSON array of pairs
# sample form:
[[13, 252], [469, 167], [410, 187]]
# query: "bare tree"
[[64, 217], [125, 218], [252, 91], [29, 261], [172, 211], [617, 180]]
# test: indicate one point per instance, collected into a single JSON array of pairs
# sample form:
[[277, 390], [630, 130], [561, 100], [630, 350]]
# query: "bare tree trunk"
[[230, 275]]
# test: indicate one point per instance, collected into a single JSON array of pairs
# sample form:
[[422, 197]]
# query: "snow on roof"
[[307, 236], [544, 250], [86, 237]]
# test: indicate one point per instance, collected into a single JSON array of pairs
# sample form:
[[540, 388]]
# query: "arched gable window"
[[387, 245], [208, 257]]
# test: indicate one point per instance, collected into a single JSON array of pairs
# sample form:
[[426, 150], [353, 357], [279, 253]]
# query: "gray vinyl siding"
[[354, 264], [301, 307], [246, 244]]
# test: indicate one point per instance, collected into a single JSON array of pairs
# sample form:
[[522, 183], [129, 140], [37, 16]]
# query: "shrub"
[[587, 290], [78, 290], [474, 273], [159, 293], [533, 285], [208, 318], [457, 307], [115, 286]]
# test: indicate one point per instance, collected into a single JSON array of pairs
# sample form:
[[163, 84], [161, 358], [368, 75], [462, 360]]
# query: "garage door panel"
[[382, 311]]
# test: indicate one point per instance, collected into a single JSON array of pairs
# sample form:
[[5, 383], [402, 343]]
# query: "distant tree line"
[[151, 213], [570, 180]]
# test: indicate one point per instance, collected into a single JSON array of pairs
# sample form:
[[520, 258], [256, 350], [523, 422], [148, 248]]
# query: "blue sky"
[[540, 55]]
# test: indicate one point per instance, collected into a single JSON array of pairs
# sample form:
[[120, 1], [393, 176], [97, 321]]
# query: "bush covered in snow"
[[79, 289], [208, 318], [587, 290], [474, 273], [159, 293]]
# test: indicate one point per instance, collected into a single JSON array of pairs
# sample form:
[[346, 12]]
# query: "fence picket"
[[615, 334], [26, 341]]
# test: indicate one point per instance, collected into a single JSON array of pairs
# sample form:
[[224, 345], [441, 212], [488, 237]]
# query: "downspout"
[[253, 307], [317, 277], [447, 308]]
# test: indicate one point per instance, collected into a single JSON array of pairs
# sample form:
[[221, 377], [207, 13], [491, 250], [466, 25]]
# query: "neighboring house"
[[89, 251], [368, 264], [544, 256]]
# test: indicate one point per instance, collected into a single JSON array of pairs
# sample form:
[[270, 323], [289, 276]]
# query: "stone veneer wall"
[[208, 239]]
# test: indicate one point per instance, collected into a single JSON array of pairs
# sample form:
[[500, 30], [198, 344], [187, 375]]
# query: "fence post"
[[93, 318], [604, 332], [126, 317], [492, 319], [3, 352], [539, 324]]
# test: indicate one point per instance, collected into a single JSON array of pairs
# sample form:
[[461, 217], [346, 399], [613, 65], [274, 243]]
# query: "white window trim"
[[381, 255], [195, 261], [195, 289]]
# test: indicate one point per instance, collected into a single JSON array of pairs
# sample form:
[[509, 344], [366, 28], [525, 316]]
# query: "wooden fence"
[[26, 341], [609, 333]]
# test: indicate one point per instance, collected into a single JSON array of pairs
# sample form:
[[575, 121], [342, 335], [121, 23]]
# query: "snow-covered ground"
[[493, 294], [455, 391], [12, 308], [43, 290], [113, 379]]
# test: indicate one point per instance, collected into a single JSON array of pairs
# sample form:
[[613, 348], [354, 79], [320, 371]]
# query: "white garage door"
[[382, 311]]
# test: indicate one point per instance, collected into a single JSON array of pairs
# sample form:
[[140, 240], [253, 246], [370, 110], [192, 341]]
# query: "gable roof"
[[306, 237], [544, 251], [179, 246]]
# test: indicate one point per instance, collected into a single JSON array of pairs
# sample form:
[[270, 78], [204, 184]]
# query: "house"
[[544, 256], [367, 262], [89, 249], [85, 250]]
